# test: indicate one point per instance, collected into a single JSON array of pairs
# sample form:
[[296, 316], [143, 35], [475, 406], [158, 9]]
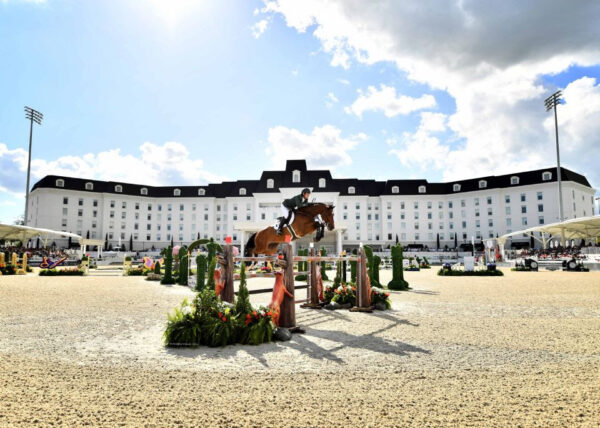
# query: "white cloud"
[[421, 148], [166, 164], [259, 28], [331, 100], [488, 56], [344, 81], [323, 148], [386, 100]]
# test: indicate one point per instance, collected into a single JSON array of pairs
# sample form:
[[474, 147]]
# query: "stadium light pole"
[[33, 116], [551, 102]]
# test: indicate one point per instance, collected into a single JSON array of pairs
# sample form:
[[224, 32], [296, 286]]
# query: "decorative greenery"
[[212, 322], [127, 258], [353, 268], [380, 296], [8, 270], [328, 293], [375, 273], [139, 271], [210, 284], [460, 272], [397, 282], [168, 278], [62, 272], [242, 304], [182, 278], [324, 277], [157, 268], [200, 272], [344, 294]]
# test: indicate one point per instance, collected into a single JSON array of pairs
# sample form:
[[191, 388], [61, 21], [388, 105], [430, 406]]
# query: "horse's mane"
[[313, 208]]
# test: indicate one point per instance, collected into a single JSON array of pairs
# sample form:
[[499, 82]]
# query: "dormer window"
[[422, 189], [351, 190], [144, 191], [482, 184], [514, 180], [177, 192], [89, 186], [201, 192], [395, 189], [270, 183], [119, 188], [547, 176], [60, 183], [322, 182], [242, 191], [456, 187], [296, 176]]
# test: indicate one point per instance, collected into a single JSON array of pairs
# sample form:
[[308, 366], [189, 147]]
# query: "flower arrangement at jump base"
[[210, 321], [381, 298], [344, 295]]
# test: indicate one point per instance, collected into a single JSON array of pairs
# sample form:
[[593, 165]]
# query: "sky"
[[182, 92]]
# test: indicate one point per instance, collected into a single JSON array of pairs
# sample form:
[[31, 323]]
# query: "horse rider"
[[290, 205]]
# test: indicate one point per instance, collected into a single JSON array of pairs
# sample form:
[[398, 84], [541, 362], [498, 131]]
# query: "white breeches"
[[284, 211]]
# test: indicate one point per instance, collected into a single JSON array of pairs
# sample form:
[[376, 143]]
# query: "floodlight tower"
[[33, 116], [551, 102]]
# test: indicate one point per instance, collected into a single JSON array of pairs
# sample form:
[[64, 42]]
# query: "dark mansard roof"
[[310, 178]]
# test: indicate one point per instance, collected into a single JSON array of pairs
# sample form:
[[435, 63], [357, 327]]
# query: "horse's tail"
[[250, 245]]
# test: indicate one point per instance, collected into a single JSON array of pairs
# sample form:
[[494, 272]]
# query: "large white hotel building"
[[368, 211]]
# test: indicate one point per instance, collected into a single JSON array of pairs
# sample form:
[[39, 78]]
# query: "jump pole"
[[287, 315], [312, 290]]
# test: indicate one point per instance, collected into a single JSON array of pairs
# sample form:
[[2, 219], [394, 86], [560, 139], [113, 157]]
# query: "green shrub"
[[157, 268], [397, 282], [168, 278], [451, 272], [8, 270], [200, 272], [375, 273], [182, 278], [301, 277], [62, 272], [324, 265], [136, 272], [242, 303], [210, 283]]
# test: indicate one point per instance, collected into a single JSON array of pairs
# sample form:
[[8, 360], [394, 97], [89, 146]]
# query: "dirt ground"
[[518, 350]]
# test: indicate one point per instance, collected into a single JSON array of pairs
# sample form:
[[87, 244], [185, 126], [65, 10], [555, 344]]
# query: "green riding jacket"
[[295, 202]]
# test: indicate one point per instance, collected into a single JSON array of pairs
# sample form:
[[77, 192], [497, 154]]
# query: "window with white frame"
[[351, 190], [242, 191], [144, 191], [547, 176], [456, 187], [201, 192], [270, 183], [395, 189], [296, 176], [422, 189], [482, 184], [60, 182], [514, 180], [322, 182], [177, 192], [119, 188], [89, 186]]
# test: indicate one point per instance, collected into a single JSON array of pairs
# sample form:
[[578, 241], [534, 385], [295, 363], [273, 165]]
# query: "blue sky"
[[234, 101]]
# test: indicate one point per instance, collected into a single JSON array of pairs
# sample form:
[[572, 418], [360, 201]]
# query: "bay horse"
[[267, 240]]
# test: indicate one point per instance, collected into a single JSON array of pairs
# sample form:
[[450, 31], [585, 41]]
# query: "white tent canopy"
[[577, 228], [25, 233]]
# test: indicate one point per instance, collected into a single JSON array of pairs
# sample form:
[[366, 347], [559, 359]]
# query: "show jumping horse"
[[306, 220]]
